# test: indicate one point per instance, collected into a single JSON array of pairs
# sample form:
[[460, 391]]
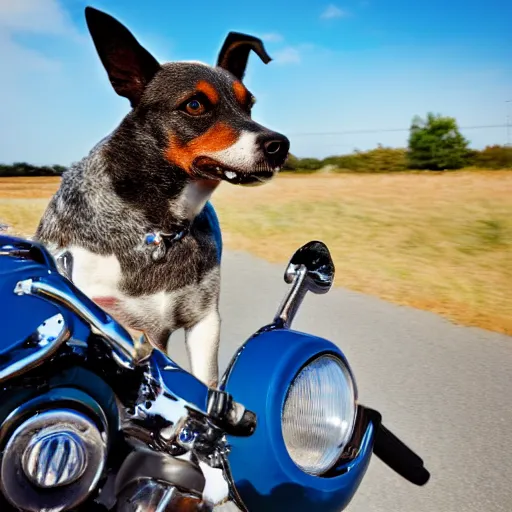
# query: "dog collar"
[[160, 241]]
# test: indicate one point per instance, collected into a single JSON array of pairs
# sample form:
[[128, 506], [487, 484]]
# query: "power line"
[[387, 130]]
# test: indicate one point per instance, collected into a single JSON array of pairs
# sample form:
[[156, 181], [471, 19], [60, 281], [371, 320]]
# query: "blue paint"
[[180, 382], [150, 238], [208, 213], [186, 436], [265, 475]]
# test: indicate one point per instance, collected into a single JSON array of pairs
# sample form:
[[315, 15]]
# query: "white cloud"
[[288, 55], [332, 11], [35, 16], [41, 17], [272, 37], [27, 72]]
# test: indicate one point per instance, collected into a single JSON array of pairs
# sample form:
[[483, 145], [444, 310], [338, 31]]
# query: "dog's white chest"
[[99, 278], [95, 275], [152, 310]]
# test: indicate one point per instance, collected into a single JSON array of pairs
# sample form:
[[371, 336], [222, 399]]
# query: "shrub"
[[302, 165], [19, 169], [492, 157], [381, 159]]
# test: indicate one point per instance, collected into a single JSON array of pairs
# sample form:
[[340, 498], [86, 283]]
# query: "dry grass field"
[[23, 200], [436, 241]]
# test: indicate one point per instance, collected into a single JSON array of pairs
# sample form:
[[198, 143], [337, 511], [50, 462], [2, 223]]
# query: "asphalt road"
[[443, 389]]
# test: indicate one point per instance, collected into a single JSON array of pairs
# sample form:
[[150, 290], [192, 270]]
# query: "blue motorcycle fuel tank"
[[265, 475]]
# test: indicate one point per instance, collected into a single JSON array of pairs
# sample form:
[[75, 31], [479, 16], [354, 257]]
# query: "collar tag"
[[160, 242]]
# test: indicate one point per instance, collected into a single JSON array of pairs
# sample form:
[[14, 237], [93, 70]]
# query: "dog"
[[135, 213]]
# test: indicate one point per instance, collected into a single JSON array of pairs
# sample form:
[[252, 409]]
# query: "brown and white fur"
[[189, 128]]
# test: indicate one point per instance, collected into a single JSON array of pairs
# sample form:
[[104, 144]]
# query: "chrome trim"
[[310, 269], [54, 458], [42, 403], [143, 464], [293, 299], [49, 336], [316, 257], [127, 352], [11, 250], [154, 495], [33, 480], [166, 422], [166, 499], [64, 262], [367, 422]]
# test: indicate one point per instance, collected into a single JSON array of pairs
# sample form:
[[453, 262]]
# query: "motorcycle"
[[93, 419]]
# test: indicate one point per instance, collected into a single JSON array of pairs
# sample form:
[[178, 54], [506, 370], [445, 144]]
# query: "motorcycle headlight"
[[318, 414]]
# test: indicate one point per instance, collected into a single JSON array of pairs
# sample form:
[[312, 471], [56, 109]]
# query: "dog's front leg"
[[202, 342]]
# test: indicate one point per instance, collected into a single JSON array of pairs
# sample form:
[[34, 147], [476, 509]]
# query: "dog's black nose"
[[276, 147]]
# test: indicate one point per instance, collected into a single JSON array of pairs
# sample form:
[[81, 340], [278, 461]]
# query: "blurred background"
[[399, 116], [400, 120]]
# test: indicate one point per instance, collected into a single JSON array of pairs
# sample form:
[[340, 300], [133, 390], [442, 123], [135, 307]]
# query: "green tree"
[[436, 144]]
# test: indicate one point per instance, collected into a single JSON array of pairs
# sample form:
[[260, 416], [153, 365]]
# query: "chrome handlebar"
[[127, 353], [214, 409]]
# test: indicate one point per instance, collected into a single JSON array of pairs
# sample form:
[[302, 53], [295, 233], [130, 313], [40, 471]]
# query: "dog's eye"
[[195, 107]]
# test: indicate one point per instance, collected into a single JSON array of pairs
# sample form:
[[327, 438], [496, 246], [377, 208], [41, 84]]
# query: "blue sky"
[[338, 67]]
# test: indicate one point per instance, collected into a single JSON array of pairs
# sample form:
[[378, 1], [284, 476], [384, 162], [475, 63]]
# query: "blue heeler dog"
[[135, 213]]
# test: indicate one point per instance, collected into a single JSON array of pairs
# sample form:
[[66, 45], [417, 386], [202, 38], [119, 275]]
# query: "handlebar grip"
[[399, 457]]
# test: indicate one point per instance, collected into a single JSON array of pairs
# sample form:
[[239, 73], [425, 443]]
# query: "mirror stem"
[[292, 301]]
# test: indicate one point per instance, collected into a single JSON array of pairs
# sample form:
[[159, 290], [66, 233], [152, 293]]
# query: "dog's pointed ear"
[[129, 66], [234, 53]]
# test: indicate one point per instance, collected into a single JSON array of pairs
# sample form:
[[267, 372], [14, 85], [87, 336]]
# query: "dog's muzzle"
[[272, 149]]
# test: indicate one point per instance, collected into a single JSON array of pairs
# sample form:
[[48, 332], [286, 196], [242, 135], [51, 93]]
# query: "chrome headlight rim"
[[338, 359]]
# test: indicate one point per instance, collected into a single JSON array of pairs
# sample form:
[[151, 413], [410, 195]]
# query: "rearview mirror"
[[310, 269], [316, 257]]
